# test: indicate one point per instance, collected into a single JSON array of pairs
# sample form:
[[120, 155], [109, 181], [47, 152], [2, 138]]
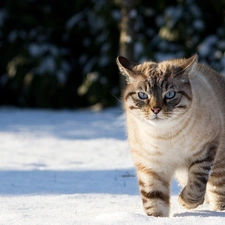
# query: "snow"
[[3, 16], [47, 65], [172, 15], [205, 48], [74, 167], [75, 19]]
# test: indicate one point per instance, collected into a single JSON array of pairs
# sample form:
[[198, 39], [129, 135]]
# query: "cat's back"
[[205, 74], [207, 84], [208, 87]]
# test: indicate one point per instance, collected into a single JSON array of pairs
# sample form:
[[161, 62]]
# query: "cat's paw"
[[157, 210], [187, 202], [217, 206], [157, 213]]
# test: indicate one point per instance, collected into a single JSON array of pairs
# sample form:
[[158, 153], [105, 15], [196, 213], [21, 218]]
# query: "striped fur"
[[182, 136]]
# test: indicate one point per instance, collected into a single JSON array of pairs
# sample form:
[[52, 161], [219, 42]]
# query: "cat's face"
[[157, 92]]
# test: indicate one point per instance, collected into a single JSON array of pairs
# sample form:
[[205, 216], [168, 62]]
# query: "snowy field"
[[74, 167]]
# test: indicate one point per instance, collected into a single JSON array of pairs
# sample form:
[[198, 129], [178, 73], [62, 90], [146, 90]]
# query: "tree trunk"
[[127, 33]]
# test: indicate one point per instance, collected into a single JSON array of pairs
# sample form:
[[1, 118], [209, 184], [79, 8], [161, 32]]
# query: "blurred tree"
[[127, 32], [49, 57], [67, 59]]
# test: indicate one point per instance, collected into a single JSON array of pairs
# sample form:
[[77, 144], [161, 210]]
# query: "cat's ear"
[[126, 68], [185, 66], [190, 62]]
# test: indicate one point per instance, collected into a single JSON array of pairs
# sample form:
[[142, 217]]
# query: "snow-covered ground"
[[74, 167]]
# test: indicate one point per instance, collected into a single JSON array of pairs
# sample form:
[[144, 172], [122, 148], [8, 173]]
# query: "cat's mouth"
[[159, 119], [156, 118]]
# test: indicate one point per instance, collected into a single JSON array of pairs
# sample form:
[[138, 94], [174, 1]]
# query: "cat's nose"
[[156, 110]]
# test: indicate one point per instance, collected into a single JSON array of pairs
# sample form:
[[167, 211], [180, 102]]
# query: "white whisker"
[[119, 100]]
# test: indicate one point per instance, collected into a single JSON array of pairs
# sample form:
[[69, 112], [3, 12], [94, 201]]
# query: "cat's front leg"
[[193, 193], [155, 192]]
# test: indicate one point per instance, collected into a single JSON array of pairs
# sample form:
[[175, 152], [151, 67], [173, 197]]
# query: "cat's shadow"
[[200, 213]]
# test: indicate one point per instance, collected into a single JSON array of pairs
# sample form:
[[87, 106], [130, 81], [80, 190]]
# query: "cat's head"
[[157, 92]]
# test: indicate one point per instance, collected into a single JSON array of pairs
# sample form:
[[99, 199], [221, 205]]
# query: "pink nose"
[[156, 110]]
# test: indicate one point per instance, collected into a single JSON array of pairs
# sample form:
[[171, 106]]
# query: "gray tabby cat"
[[175, 113]]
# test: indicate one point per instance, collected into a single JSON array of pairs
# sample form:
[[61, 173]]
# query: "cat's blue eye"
[[170, 94], [142, 95]]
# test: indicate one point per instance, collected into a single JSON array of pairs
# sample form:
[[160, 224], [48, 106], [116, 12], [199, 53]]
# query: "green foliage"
[[57, 54], [49, 49]]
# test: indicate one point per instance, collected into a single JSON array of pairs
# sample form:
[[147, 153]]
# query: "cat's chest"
[[172, 145], [167, 146], [171, 142]]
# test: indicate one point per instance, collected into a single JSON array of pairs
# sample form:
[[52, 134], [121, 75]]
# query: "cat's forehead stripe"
[[155, 71]]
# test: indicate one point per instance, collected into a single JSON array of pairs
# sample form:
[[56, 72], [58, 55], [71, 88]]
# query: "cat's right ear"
[[126, 68]]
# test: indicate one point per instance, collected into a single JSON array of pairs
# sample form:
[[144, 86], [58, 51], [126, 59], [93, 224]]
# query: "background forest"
[[61, 54]]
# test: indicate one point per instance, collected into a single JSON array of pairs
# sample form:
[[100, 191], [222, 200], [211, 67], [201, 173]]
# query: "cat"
[[175, 115]]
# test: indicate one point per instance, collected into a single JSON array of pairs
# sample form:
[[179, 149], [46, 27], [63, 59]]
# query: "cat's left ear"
[[126, 68], [190, 62], [185, 66]]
